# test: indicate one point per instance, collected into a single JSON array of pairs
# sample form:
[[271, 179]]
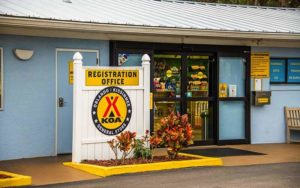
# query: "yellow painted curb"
[[16, 180], [124, 169]]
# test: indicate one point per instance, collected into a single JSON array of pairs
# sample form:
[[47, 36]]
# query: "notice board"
[[293, 71], [260, 65], [277, 70]]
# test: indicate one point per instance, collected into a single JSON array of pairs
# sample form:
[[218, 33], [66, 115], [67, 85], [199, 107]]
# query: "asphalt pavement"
[[282, 175]]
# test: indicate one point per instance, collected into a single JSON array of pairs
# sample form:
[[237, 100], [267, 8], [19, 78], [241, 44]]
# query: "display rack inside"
[[197, 76], [167, 76]]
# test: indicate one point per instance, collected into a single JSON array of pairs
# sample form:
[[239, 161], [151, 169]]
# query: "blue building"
[[200, 58]]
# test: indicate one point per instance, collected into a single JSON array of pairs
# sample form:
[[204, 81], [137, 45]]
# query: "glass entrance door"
[[198, 100], [234, 102], [181, 83], [167, 81]]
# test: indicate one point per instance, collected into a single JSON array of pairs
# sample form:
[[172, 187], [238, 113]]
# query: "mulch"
[[135, 161], [2, 176]]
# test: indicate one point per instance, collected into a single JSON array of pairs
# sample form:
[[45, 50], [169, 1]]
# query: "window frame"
[[1, 80], [286, 71]]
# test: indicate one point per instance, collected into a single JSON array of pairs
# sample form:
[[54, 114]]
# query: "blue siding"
[[267, 122], [27, 124]]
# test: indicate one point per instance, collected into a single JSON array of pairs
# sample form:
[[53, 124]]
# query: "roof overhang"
[[83, 30]]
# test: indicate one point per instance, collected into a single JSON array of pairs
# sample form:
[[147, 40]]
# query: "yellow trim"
[[198, 57], [167, 56], [16, 180], [124, 169]]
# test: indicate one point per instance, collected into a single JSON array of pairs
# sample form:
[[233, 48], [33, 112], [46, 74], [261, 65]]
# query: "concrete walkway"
[[275, 153], [49, 170], [283, 175], [46, 170]]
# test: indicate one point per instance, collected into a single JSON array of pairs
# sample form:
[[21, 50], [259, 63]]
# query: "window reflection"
[[127, 59]]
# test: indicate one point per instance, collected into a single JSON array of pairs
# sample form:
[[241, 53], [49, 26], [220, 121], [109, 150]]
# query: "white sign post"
[[88, 142]]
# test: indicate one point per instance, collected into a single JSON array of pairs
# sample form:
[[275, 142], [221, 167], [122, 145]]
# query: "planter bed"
[[187, 161], [156, 159], [8, 179]]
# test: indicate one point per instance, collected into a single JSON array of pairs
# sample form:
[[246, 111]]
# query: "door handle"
[[61, 102]]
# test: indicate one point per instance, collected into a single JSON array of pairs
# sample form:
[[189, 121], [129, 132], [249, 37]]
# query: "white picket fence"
[[88, 142]]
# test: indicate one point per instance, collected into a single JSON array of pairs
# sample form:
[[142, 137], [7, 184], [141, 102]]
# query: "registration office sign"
[[111, 110], [106, 102], [112, 77]]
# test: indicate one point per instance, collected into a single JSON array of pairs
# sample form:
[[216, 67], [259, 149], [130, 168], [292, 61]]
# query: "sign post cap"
[[146, 58]]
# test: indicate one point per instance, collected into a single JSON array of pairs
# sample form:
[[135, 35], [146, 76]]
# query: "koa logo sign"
[[111, 110]]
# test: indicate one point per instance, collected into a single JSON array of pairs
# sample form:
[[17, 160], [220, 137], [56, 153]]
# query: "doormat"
[[220, 152]]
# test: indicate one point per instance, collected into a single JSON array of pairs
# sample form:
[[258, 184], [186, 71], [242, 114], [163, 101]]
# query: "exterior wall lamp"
[[22, 54]]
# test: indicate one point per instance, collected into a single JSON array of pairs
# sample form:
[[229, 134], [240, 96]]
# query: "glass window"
[[163, 109], [197, 75], [129, 59], [200, 114], [232, 77], [232, 120], [167, 76], [1, 79]]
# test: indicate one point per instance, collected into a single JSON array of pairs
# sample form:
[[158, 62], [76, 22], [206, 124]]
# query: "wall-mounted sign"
[[112, 77], [222, 90], [111, 110], [277, 70], [257, 84], [71, 72], [293, 71], [260, 65], [232, 90]]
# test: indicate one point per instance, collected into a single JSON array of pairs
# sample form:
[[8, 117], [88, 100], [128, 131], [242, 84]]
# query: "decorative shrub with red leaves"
[[126, 143], [174, 133]]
